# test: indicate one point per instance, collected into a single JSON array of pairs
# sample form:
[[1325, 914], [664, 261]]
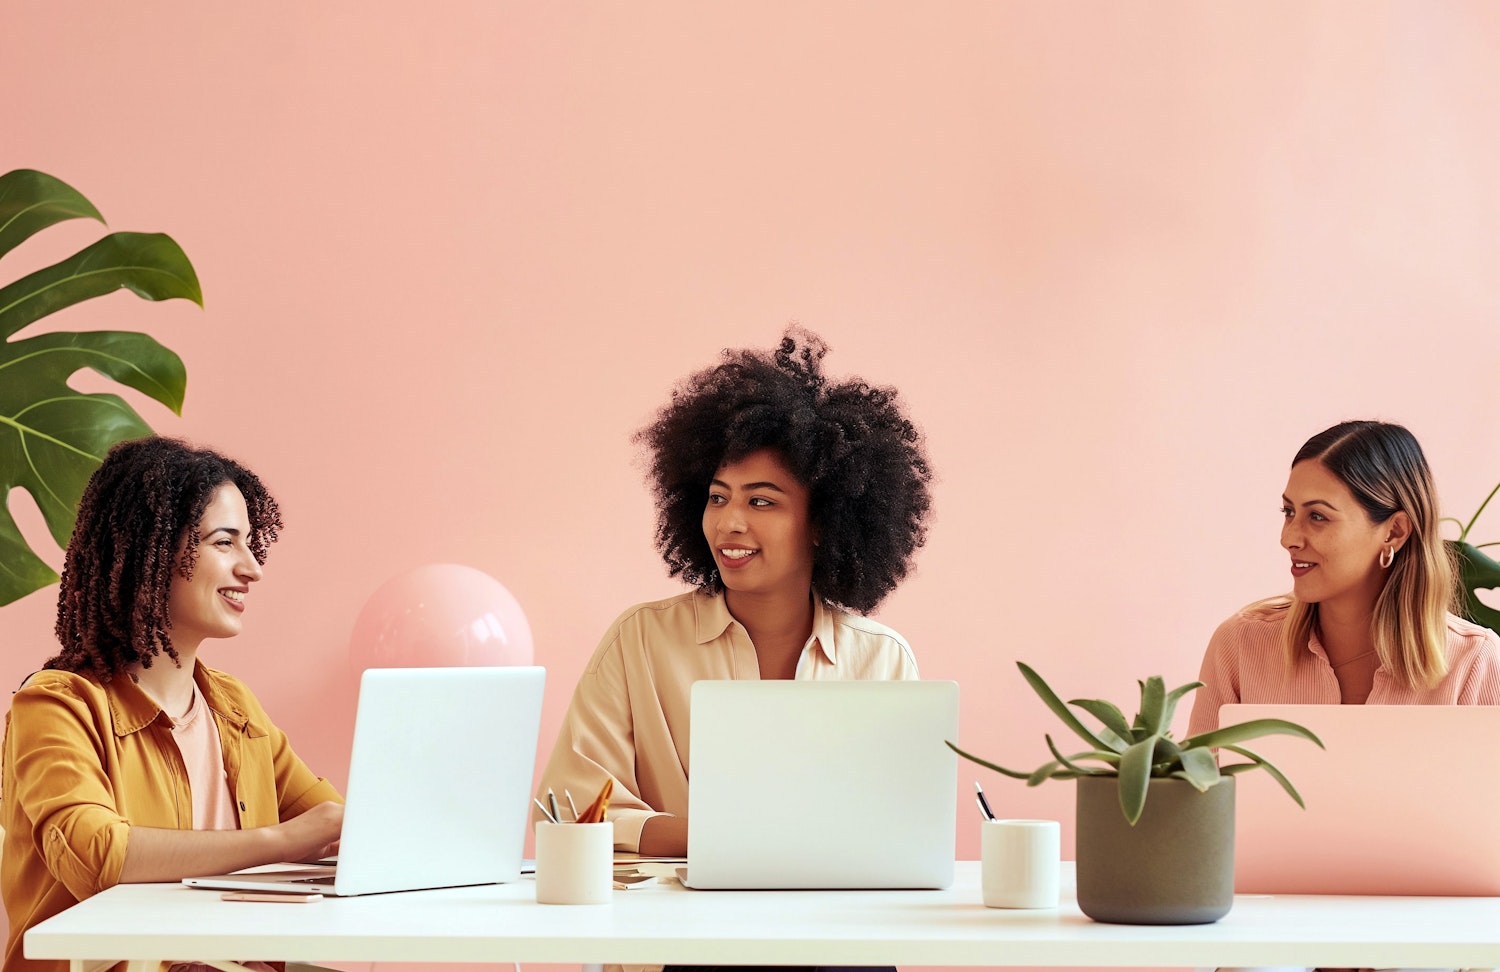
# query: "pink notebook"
[[1405, 801]]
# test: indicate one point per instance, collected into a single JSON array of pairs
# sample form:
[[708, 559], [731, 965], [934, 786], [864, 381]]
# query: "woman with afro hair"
[[127, 759], [792, 505]]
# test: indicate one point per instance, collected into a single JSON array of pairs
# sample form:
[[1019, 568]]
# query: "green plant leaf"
[[1103, 755], [1135, 778], [1070, 762], [1235, 769], [1169, 708], [151, 265], [1244, 731], [1259, 761], [31, 201], [1200, 768], [1013, 774], [1045, 772], [1107, 713], [1477, 571], [52, 437], [1114, 741], [1153, 703], [21, 570], [1164, 756], [1059, 709]]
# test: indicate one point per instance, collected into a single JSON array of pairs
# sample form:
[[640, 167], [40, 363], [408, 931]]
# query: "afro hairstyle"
[[860, 458]]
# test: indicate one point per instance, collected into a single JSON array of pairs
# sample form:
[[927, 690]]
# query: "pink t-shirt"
[[1244, 663], [197, 738]]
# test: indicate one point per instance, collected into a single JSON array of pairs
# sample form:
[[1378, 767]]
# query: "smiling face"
[[756, 522], [1335, 547], [211, 603]]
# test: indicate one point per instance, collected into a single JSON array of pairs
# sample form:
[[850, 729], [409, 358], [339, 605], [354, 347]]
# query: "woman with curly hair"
[[127, 759], [792, 505]]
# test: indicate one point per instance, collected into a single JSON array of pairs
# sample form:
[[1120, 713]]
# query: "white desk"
[[657, 923]]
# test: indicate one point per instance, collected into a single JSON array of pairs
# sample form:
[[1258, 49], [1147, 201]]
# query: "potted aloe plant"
[[1155, 825]]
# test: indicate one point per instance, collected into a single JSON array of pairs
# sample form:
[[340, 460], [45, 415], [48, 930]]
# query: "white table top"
[[660, 923]]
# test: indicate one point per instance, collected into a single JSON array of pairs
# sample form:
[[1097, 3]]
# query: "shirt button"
[[242, 806]]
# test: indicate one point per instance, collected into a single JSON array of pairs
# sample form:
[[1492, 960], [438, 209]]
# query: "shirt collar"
[[1315, 645], [211, 684], [132, 709], [822, 632], [713, 619]]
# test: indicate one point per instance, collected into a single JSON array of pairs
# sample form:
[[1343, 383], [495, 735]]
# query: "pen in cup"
[[594, 812], [984, 805]]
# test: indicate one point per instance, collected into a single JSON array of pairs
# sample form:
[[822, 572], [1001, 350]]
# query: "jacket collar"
[[713, 619], [132, 710]]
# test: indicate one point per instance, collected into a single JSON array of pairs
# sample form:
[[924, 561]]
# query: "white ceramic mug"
[[1020, 860], [574, 863]]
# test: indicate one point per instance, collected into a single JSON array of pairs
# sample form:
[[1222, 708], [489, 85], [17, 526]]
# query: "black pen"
[[984, 805]]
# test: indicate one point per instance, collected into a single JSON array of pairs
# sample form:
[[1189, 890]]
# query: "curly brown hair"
[[861, 460], [137, 526]]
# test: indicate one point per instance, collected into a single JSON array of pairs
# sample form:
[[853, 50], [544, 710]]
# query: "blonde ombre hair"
[[1384, 468]]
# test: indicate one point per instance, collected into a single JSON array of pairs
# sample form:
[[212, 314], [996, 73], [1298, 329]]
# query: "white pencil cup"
[[574, 862], [1019, 863]]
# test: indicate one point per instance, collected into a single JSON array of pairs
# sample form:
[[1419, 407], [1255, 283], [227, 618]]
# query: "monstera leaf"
[[1478, 572], [52, 438]]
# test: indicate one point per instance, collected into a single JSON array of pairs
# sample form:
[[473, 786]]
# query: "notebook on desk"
[[1403, 802], [804, 784], [439, 785]]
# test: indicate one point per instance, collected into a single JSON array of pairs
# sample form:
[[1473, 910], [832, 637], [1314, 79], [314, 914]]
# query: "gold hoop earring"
[[1387, 557]]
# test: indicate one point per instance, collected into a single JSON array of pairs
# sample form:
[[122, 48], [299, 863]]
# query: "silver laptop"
[[804, 784], [1402, 802], [439, 785]]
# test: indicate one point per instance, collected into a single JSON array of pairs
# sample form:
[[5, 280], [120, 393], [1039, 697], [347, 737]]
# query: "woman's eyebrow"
[[1314, 502], [747, 487], [232, 531]]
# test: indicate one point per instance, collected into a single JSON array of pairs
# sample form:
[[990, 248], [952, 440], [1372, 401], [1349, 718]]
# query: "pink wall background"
[[1121, 261]]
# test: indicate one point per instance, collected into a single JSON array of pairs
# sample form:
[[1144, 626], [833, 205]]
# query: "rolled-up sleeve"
[[61, 787], [298, 788]]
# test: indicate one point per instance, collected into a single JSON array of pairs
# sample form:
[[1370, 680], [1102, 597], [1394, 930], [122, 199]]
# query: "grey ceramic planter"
[[1174, 867]]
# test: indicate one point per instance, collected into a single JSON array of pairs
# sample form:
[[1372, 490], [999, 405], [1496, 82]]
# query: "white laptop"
[[439, 785], [1403, 802], [807, 784]]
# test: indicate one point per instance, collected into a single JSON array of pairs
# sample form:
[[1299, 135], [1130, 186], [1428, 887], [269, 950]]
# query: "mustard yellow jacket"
[[85, 762]]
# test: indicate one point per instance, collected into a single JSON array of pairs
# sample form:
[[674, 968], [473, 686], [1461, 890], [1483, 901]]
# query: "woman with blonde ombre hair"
[[1369, 618]]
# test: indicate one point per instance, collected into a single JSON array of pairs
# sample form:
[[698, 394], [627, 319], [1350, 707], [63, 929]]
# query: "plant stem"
[[1486, 502]]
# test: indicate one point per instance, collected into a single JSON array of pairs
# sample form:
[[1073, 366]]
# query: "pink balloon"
[[440, 615]]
